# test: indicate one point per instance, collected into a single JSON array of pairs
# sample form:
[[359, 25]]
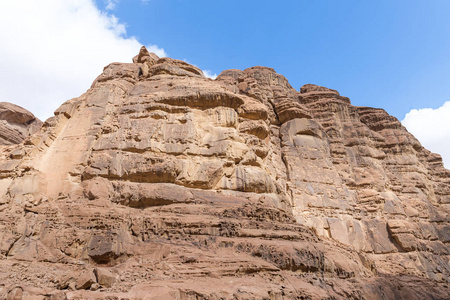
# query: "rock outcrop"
[[159, 183], [16, 124]]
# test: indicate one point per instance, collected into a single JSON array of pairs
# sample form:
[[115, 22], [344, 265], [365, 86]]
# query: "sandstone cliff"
[[16, 124], [159, 183]]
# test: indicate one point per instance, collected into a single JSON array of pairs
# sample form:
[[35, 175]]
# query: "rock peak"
[[16, 124], [145, 56], [308, 88]]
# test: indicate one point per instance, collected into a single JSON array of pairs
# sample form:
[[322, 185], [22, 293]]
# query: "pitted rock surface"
[[159, 183]]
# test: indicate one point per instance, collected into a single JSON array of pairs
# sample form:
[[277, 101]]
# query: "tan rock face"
[[16, 124], [159, 183]]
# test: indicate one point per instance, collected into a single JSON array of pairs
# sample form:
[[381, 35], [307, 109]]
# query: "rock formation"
[[16, 124], [159, 183]]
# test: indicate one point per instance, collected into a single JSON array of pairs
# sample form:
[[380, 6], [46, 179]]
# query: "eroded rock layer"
[[16, 124], [159, 183]]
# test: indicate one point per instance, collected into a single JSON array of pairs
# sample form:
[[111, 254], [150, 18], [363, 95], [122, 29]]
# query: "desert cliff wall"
[[176, 185]]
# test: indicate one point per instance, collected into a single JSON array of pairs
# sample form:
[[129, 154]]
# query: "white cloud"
[[209, 74], [52, 50], [432, 128], [111, 4], [155, 49]]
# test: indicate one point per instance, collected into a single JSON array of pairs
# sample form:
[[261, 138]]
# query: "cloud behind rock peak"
[[52, 50], [432, 128]]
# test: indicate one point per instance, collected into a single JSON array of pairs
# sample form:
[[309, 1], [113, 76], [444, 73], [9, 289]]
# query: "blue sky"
[[389, 54], [392, 54]]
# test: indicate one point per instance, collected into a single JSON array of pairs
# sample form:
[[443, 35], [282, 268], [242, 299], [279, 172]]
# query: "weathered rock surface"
[[159, 183], [16, 124]]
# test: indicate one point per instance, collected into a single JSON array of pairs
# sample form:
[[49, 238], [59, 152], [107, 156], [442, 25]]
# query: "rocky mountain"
[[159, 183]]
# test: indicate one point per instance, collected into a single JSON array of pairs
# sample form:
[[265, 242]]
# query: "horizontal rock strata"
[[159, 183]]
